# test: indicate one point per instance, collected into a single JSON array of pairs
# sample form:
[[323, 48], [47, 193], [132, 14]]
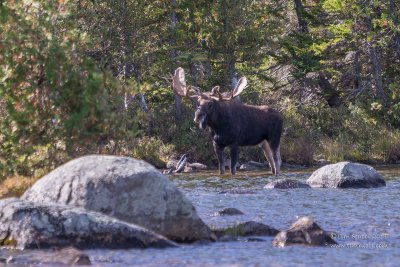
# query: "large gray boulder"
[[303, 232], [27, 225], [128, 189], [346, 175]]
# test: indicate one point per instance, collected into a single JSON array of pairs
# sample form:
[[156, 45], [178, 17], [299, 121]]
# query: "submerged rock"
[[49, 257], [128, 189], [249, 228], [286, 184], [27, 225], [303, 232], [227, 164], [71, 256], [289, 166], [346, 175], [239, 191], [252, 166], [229, 211]]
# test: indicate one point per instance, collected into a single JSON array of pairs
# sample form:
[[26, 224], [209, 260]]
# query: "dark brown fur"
[[234, 124]]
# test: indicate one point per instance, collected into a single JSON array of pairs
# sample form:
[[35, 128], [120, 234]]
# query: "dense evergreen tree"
[[80, 76]]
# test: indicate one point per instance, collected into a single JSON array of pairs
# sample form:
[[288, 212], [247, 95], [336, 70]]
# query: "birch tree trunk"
[[177, 98]]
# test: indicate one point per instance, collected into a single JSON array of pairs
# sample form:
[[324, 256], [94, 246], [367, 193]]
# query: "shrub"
[[152, 150]]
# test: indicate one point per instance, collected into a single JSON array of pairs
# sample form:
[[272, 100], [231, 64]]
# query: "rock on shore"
[[346, 175]]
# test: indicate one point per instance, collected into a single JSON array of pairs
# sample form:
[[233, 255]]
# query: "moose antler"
[[216, 93], [180, 88], [240, 86]]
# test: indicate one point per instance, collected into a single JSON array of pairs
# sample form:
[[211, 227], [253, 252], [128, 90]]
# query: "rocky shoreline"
[[118, 202]]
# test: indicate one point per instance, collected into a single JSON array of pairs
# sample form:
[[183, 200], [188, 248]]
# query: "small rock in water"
[[249, 228], [252, 166], [227, 164], [7, 260], [227, 238], [71, 256], [49, 257], [303, 232], [255, 239], [288, 166], [286, 184], [229, 211], [238, 191]]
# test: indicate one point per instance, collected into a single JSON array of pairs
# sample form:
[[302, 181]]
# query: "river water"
[[366, 223]]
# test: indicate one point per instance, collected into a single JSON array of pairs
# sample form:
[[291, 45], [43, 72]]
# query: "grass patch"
[[15, 186]]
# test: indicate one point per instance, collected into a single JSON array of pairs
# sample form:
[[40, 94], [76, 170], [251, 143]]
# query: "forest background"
[[84, 77]]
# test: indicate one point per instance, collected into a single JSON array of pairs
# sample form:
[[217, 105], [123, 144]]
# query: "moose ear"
[[240, 86], [215, 94], [215, 91]]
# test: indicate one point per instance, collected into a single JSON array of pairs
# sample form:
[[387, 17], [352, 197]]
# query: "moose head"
[[232, 123], [205, 101]]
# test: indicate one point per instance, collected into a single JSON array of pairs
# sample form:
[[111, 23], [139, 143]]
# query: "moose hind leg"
[[219, 151], [234, 156], [277, 159], [268, 154]]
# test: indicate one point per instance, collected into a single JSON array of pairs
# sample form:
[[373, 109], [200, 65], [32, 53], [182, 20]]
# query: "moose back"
[[233, 123]]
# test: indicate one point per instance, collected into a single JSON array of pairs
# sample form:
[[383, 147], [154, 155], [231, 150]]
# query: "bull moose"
[[233, 123]]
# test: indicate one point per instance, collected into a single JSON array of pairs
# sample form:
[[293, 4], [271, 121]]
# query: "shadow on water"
[[366, 223]]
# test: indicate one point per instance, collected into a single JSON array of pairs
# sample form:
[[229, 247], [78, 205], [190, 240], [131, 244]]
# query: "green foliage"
[[152, 150], [68, 68], [55, 100]]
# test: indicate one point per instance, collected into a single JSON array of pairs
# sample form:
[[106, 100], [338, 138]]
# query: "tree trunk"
[[376, 71], [396, 38], [302, 23], [233, 77], [328, 91], [177, 98], [230, 58], [357, 84]]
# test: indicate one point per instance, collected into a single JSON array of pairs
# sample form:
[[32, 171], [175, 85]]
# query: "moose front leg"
[[219, 151], [234, 156]]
